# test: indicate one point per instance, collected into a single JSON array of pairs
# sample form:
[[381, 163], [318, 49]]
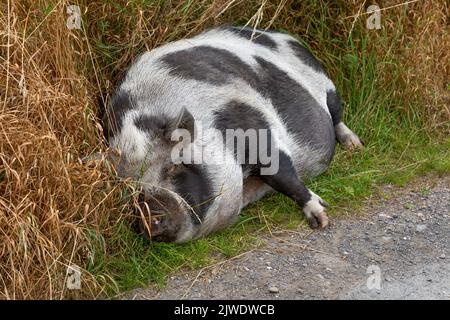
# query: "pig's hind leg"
[[347, 137], [287, 182], [344, 135]]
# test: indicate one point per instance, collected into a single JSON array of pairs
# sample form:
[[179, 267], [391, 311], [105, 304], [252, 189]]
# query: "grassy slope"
[[397, 149]]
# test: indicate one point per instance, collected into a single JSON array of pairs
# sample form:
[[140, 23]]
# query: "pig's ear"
[[184, 120]]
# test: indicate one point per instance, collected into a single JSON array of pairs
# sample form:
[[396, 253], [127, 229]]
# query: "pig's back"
[[272, 77]]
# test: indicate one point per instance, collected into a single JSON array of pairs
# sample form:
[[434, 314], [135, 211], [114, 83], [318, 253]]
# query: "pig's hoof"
[[318, 220], [352, 142], [347, 137], [314, 211]]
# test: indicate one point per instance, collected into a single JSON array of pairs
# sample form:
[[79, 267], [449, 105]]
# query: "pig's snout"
[[161, 216]]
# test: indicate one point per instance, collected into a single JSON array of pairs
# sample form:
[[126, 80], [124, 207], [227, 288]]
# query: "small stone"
[[384, 216], [421, 227], [442, 256], [320, 276], [274, 289]]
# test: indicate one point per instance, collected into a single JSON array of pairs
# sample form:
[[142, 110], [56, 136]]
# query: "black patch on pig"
[[259, 37], [301, 113], [306, 56], [120, 104], [163, 126], [207, 64], [238, 115], [187, 122], [151, 123], [194, 185], [287, 181], [334, 106]]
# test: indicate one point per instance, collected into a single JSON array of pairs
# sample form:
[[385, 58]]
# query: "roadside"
[[405, 240]]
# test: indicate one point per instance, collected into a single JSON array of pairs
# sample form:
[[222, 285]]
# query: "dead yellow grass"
[[47, 197], [49, 79], [424, 54]]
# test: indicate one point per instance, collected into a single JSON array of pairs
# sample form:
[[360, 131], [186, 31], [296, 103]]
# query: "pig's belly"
[[315, 144]]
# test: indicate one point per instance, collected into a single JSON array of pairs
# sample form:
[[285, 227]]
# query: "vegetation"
[[56, 211]]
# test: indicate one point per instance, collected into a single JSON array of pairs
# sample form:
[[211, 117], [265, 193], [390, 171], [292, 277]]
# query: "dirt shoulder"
[[404, 242]]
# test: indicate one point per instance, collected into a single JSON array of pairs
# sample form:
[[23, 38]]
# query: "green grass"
[[398, 148], [133, 261]]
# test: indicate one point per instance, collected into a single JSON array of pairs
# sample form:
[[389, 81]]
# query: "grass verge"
[[352, 178]]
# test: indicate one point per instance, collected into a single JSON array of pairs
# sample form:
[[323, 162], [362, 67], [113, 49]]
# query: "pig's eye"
[[173, 169]]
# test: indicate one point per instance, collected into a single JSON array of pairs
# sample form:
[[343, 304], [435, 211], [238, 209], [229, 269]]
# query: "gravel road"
[[398, 248]]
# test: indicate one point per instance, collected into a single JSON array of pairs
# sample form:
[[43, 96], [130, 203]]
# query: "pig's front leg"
[[287, 182]]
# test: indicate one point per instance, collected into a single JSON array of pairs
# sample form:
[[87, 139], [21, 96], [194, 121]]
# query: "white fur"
[[346, 136], [313, 207], [132, 142]]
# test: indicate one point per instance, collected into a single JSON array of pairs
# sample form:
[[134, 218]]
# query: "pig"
[[224, 80]]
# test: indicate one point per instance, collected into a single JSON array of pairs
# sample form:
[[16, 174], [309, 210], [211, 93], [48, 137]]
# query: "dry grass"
[[48, 199], [423, 51], [50, 78]]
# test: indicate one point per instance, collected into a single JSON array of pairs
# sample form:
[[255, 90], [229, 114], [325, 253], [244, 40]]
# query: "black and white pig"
[[223, 79]]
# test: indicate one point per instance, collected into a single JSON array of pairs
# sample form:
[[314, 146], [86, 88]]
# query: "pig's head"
[[171, 191]]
